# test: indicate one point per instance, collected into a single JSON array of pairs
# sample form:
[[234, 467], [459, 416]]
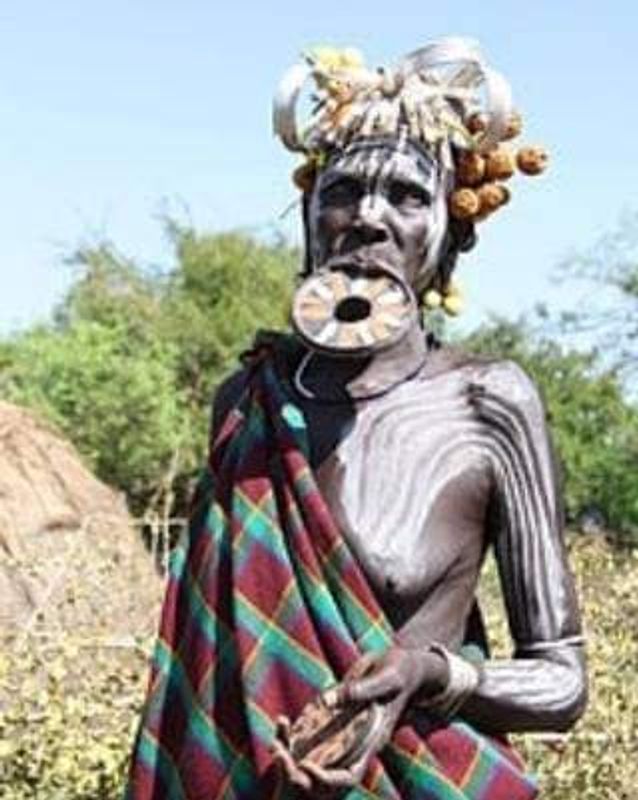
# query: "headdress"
[[443, 97]]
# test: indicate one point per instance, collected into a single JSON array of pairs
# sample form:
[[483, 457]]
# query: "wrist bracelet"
[[462, 682]]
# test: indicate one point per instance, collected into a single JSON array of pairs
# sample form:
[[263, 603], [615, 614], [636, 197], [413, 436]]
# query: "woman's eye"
[[342, 192], [408, 195]]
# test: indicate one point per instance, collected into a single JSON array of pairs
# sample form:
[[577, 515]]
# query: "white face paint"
[[383, 201]]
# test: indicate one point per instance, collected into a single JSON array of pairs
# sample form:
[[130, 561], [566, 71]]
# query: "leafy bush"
[[117, 401], [69, 706], [595, 428], [67, 718], [128, 366], [597, 760]]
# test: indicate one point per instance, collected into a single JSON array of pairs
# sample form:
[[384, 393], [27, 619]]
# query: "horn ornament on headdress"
[[430, 91]]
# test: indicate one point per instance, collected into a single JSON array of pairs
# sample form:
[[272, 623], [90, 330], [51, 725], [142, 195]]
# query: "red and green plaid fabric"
[[266, 607]]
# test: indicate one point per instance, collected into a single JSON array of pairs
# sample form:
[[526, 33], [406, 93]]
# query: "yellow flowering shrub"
[[69, 705], [68, 712], [598, 760]]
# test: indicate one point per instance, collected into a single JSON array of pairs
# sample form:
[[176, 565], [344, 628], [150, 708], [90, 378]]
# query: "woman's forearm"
[[544, 692]]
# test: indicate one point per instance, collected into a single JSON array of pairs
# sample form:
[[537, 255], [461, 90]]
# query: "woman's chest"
[[408, 484]]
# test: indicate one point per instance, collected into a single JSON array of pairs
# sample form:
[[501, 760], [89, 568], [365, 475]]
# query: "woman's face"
[[380, 203]]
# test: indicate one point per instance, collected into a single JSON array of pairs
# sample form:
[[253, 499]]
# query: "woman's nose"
[[369, 222]]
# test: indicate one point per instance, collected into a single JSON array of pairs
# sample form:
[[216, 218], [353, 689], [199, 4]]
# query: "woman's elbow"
[[574, 698]]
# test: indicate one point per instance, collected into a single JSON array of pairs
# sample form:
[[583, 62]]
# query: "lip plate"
[[353, 269]]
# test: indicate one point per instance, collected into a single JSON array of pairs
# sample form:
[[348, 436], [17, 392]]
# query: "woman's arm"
[[543, 687]]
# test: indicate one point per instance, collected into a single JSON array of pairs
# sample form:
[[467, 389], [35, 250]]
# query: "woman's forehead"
[[384, 160]]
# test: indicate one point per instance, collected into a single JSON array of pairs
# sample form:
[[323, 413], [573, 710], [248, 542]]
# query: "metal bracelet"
[[462, 682]]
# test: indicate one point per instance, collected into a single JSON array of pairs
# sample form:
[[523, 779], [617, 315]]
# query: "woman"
[[320, 634]]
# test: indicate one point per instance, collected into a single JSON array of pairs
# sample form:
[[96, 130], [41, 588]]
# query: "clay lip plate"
[[315, 317]]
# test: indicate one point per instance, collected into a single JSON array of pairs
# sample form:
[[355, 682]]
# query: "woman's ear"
[[460, 238], [463, 233]]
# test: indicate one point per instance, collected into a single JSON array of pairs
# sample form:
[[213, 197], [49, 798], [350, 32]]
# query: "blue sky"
[[113, 112]]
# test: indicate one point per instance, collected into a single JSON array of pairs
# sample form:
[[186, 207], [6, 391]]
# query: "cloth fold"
[[266, 607]]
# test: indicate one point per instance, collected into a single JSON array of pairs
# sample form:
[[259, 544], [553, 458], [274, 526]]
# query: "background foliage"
[[594, 426], [128, 367], [603, 283]]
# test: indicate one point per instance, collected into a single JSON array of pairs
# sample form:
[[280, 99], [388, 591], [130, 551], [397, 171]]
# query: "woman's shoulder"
[[502, 378]]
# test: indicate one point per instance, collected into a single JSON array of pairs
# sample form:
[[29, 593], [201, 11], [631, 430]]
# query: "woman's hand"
[[390, 681]]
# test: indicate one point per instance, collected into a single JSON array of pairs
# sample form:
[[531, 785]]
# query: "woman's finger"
[[332, 778], [282, 730], [294, 775], [380, 685]]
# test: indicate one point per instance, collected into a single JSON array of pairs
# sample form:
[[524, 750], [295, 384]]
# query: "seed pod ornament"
[[480, 171], [514, 126], [432, 299], [453, 303], [304, 176], [470, 169], [464, 204], [532, 160], [492, 196], [499, 165], [476, 123]]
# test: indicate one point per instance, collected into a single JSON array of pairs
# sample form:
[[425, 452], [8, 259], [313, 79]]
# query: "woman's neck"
[[342, 379]]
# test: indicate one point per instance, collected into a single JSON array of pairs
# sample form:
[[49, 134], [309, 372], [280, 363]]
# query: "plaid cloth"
[[266, 607]]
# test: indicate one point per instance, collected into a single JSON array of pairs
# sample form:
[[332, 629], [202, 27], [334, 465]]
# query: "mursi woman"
[[320, 634]]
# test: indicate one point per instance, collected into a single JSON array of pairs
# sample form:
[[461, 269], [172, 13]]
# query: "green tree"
[[223, 288], [594, 426], [603, 284], [119, 403], [128, 365]]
